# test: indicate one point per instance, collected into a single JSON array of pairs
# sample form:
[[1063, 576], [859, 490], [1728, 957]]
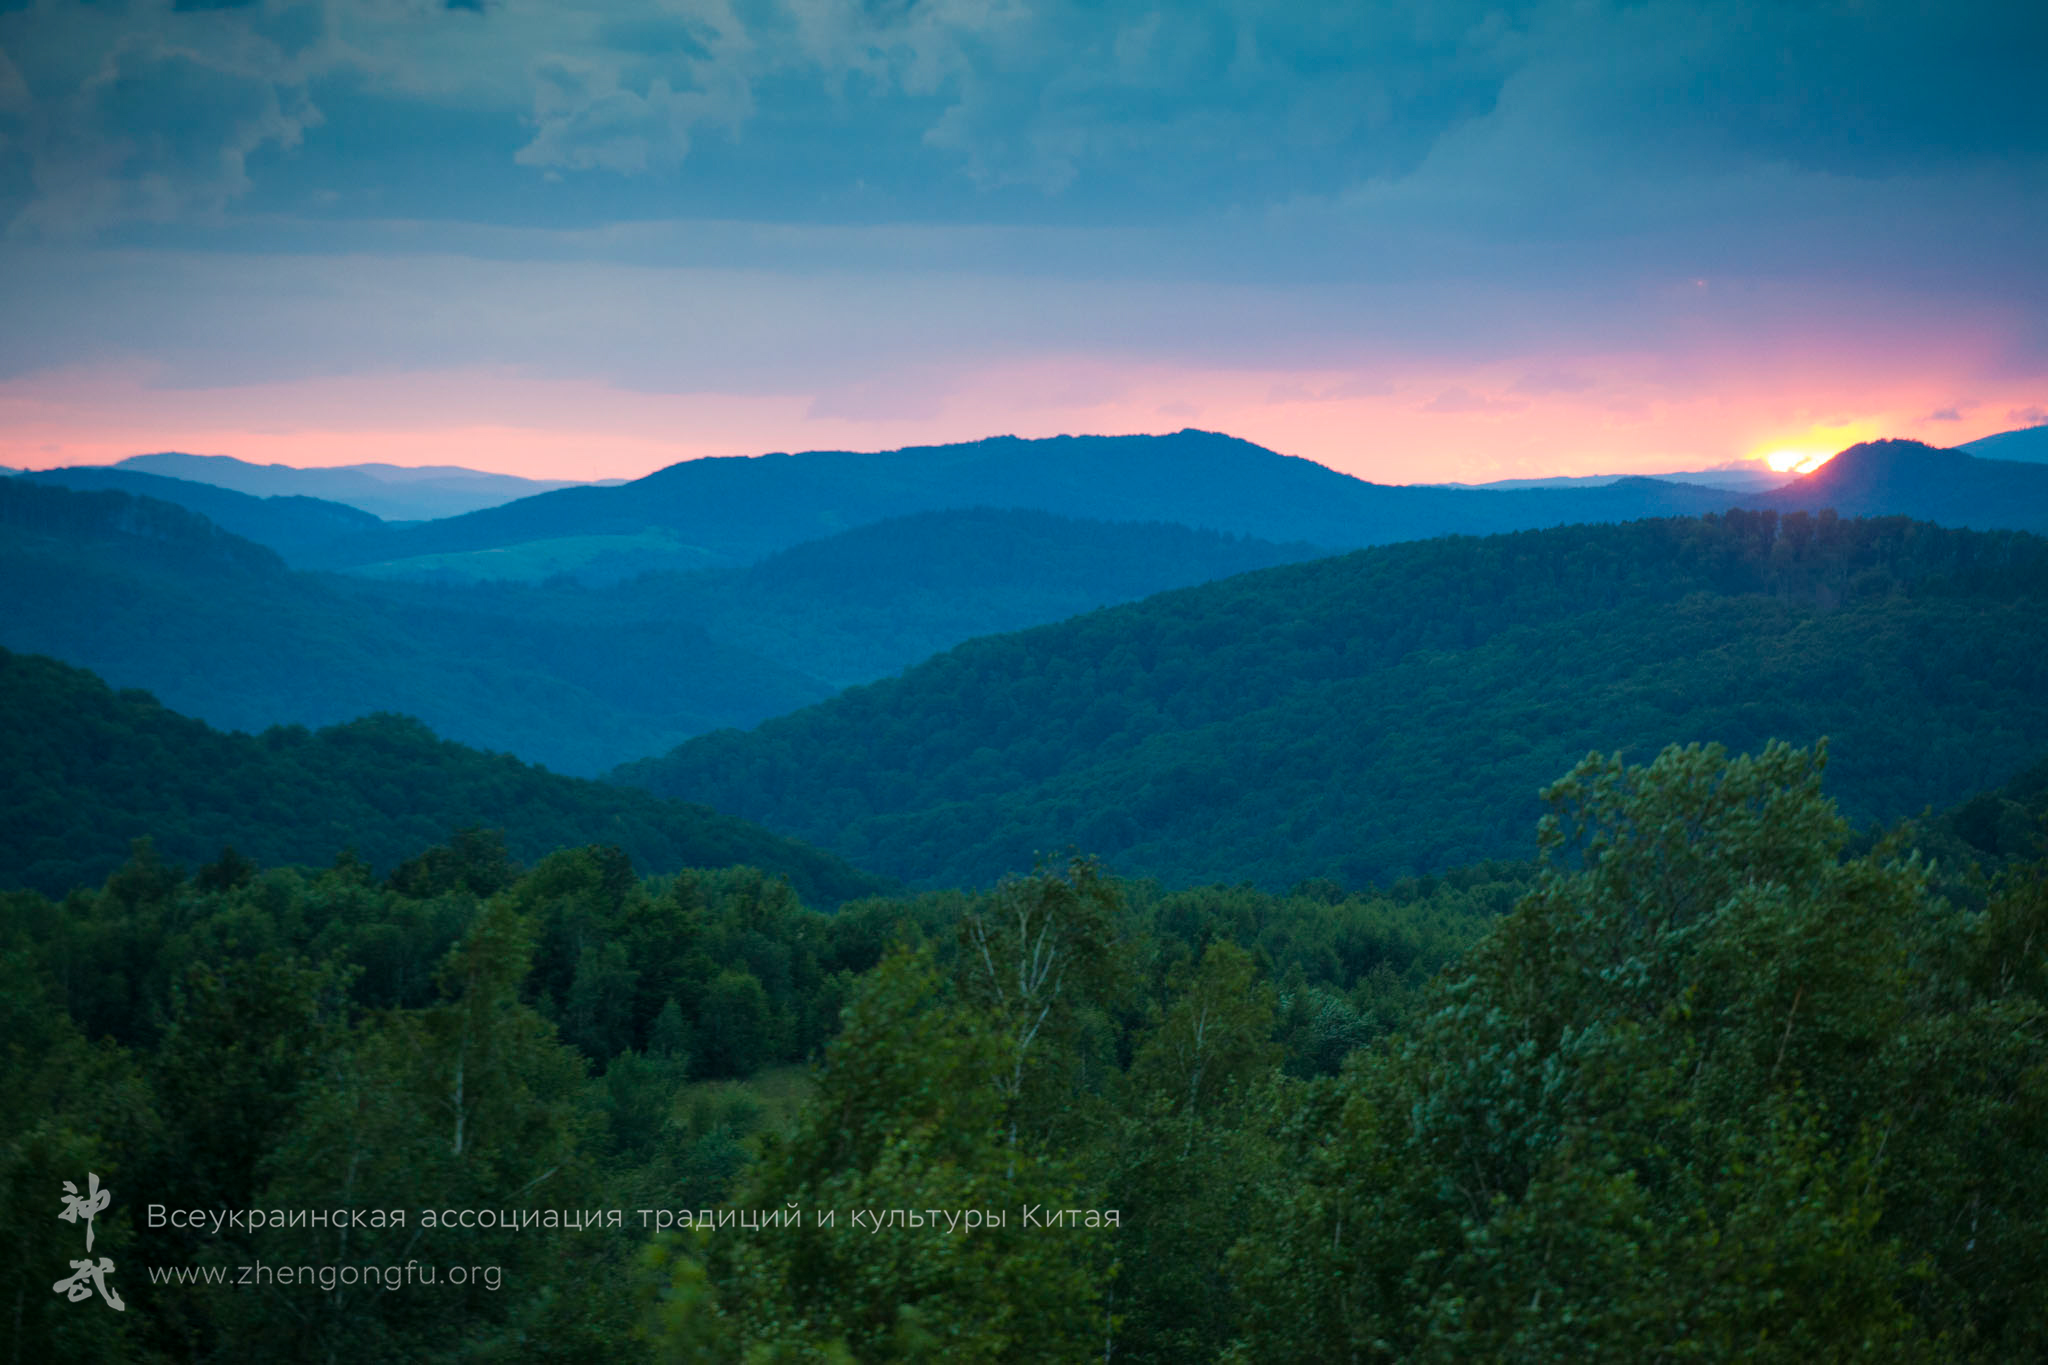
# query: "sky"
[[1420, 241]]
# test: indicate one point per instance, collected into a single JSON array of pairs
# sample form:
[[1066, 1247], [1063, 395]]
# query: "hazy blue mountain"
[[119, 524], [392, 492], [1909, 478], [1395, 710], [149, 596], [298, 528], [84, 769], [578, 677], [737, 510], [2029, 444], [1750, 480], [874, 600]]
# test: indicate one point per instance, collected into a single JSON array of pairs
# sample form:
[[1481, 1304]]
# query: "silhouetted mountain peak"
[[1871, 464], [1894, 477], [1888, 449]]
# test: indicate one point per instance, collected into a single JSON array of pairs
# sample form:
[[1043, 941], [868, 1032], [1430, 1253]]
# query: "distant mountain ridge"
[[1749, 480], [298, 528], [740, 509], [148, 595], [729, 511], [1911, 478], [390, 492], [581, 678], [737, 510], [2029, 444]]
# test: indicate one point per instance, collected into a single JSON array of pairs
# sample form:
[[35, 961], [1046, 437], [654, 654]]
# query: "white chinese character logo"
[[77, 1206], [87, 1206], [75, 1288]]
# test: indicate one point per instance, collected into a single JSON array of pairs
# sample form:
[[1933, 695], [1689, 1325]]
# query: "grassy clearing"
[[768, 1101]]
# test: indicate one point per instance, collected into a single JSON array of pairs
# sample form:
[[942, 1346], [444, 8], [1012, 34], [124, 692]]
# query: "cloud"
[[1361, 387], [155, 131], [586, 121], [1514, 118], [1552, 381], [2028, 416], [1458, 399], [900, 398], [1953, 412], [822, 200]]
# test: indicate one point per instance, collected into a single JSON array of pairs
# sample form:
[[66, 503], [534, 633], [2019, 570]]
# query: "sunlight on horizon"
[[1797, 461]]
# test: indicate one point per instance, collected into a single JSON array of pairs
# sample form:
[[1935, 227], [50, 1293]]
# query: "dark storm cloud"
[[1284, 183], [1059, 112]]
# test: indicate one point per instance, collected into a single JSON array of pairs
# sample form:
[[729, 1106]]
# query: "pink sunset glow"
[[1535, 416]]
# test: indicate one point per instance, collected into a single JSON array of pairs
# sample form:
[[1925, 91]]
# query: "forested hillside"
[[89, 769], [151, 596], [240, 642], [2027, 443], [1395, 710], [298, 528], [1703, 1083], [871, 601]]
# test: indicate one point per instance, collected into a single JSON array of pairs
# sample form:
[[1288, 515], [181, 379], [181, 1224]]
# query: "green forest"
[[1395, 711], [1431, 953], [579, 677], [1716, 1076], [91, 769]]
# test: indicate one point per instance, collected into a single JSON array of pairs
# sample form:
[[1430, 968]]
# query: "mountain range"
[[725, 512], [736, 510], [490, 646], [1395, 710], [733, 511], [298, 528], [2027, 443], [580, 678], [1748, 479], [387, 491]]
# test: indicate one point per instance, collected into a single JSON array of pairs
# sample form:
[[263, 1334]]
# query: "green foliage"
[[733, 1033], [469, 1103], [910, 1114], [1215, 1039], [1716, 1081], [1675, 1105], [71, 1109], [1039, 958], [1395, 711], [89, 769]]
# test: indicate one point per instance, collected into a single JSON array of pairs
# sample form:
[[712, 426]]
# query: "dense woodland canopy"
[[1395, 710], [90, 769], [1715, 1080]]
